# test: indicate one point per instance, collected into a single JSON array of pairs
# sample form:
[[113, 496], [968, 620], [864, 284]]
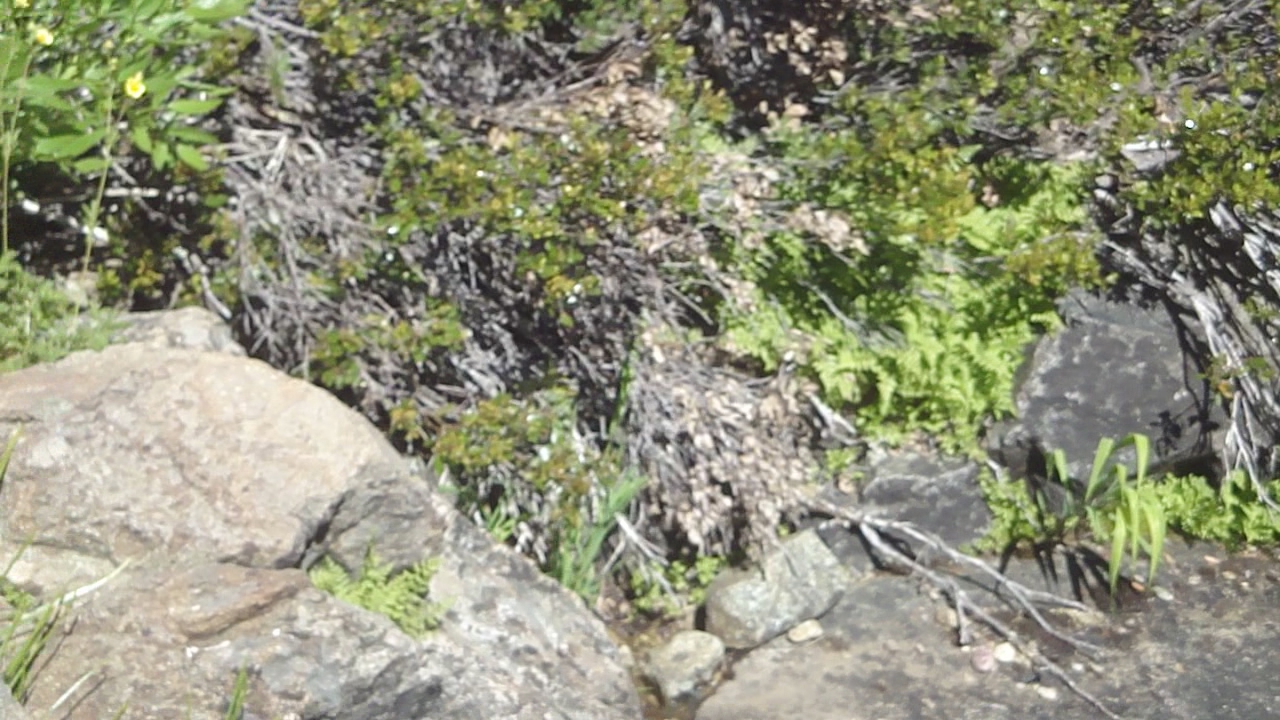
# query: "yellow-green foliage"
[[535, 437], [682, 585], [963, 260], [519, 461], [925, 329], [87, 86], [401, 597], [1229, 514]]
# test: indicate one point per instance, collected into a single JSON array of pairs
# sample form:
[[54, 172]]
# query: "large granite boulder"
[[218, 480], [1115, 369]]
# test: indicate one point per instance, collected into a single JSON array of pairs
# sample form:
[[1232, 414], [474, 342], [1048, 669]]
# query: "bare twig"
[[1023, 599]]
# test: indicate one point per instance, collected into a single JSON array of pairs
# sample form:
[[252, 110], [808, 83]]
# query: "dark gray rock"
[[938, 494], [1115, 369]]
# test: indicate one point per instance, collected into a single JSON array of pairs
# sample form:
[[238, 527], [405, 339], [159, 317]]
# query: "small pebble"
[[983, 659], [1163, 594], [1047, 693], [807, 631], [1005, 652]]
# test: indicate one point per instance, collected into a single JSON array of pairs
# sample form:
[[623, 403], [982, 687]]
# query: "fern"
[[927, 329], [401, 597]]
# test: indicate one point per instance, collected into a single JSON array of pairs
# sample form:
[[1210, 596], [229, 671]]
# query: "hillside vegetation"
[[651, 262]]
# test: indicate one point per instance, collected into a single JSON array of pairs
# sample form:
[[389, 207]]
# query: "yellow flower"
[[43, 36], [134, 87]]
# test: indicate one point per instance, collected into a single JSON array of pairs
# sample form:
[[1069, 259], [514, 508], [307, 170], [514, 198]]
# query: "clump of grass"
[[39, 323], [25, 626]]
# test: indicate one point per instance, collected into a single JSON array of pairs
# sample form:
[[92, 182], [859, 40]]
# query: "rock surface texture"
[[889, 653], [218, 479], [1115, 369], [799, 581]]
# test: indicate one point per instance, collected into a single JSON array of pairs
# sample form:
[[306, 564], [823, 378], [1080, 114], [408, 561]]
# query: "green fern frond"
[[401, 597]]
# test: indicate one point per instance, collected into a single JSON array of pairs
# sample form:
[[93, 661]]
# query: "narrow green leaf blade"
[[1157, 527], [1142, 447], [1105, 447], [1118, 537], [212, 11]]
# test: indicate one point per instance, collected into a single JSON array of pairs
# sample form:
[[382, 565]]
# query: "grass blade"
[[1106, 446]]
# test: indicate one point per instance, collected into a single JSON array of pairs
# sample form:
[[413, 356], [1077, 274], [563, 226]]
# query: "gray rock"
[[1116, 369], [879, 654], [9, 708], [686, 663], [219, 478], [937, 494], [139, 450], [799, 581], [1208, 653], [193, 328]]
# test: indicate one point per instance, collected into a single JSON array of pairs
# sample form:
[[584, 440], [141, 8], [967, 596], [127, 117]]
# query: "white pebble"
[[1005, 652], [805, 632]]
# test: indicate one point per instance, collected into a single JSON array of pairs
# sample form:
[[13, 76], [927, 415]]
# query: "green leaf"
[[63, 147], [212, 11], [1100, 458], [161, 157], [194, 136], [142, 139], [191, 157], [194, 107], [90, 165], [147, 9], [38, 84], [1142, 447], [8, 451], [1118, 537], [1059, 474], [1156, 525]]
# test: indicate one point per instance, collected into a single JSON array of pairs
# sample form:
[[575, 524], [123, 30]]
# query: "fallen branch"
[[1024, 599]]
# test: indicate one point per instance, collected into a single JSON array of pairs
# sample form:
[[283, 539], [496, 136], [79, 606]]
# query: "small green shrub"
[[25, 627], [401, 597], [39, 323], [514, 462], [83, 83], [668, 591], [578, 545]]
